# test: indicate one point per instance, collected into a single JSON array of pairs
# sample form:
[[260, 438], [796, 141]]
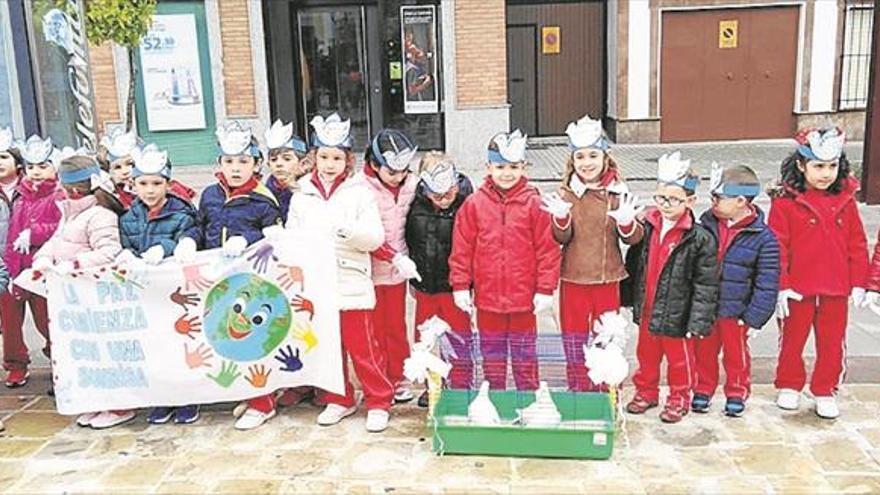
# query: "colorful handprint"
[[261, 257], [303, 305], [192, 274], [228, 374], [184, 300], [258, 375], [290, 360], [292, 275], [304, 332], [198, 357], [188, 326]]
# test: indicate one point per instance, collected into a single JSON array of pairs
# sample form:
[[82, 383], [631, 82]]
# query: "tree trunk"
[[129, 106]]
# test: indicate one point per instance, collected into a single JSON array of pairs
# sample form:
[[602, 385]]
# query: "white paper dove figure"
[[543, 411], [607, 365], [671, 169], [827, 145], [481, 411], [610, 327]]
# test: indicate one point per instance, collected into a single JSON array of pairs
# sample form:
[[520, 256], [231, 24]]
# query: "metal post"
[[871, 159]]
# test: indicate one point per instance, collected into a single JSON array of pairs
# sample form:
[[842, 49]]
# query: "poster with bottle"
[[171, 74], [419, 53]]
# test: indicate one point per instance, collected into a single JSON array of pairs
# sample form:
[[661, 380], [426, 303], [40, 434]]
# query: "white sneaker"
[[826, 407], [788, 399], [403, 393], [335, 413], [109, 419], [377, 420], [86, 419], [253, 418]]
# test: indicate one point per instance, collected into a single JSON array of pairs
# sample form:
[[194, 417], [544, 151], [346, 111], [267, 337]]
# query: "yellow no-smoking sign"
[[727, 34]]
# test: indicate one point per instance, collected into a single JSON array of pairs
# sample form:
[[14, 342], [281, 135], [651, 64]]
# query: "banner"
[[171, 73], [419, 42], [217, 330]]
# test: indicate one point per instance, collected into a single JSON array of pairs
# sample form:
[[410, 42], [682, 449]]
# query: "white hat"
[[235, 138], [5, 139], [331, 132], [281, 136], [672, 169], [511, 147], [441, 178], [151, 161], [119, 143], [35, 149], [586, 133], [400, 152]]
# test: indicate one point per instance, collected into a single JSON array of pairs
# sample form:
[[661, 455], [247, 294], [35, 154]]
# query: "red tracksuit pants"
[[514, 335], [680, 366], [443, 306], [579, 308], [360, 343], [389, 320], [731, 338], [828, 315], [12, 308]]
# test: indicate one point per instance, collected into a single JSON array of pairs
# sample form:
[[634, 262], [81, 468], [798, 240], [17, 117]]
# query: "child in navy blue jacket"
[[288, 162], [232, 215], [748, 257]]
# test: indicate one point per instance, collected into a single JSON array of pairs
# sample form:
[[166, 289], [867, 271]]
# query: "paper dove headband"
[[235, 138], [280, 136], [511, 148], [586, 133], [119, 143], [824, 145], [151, 161], [332, 132], [672, 169], [730, 189], [5, 139], [441, 178], [401, 152], [36, 150]]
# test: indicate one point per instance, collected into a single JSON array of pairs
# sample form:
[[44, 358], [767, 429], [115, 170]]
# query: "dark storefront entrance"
[[349, 56]]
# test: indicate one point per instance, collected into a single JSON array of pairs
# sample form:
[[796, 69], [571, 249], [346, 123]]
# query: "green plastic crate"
[[594, 440]]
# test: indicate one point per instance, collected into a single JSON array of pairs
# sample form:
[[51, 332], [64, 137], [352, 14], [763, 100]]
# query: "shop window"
[[856, 57]]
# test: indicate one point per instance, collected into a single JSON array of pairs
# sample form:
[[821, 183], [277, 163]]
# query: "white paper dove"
[[66, 152], [586, 133], [278, 135], [481, 410], [542, 412], [441, 178], [715, 178], [36, 150], [5, 139], [672, 169], [332, 131], [401, 159], [610, 327], [151, 161], [826, 144], [120, 143], [234, 138], [511, 147], [421, 359], [607, 364]]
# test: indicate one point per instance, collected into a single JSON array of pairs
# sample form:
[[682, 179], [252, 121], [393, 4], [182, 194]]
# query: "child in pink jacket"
[[34, 219], [88, 237], [386, 172]]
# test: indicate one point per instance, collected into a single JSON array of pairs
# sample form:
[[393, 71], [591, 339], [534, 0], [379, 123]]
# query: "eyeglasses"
[[718, 197], [447, 196], [668, 201]]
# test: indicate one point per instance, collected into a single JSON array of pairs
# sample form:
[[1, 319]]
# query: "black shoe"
[[700, 403], [735, 407], [423, 399]]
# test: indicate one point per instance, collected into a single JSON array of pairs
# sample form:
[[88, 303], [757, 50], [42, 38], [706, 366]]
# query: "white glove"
[[42, 264], [63, 267], [23, 243], [234, 246], [782, 302], [125, 257], [542, 302], [154, 255], [858, 296], [406, 266], [463, 300], [185, 251], [871, 299], [273, 233], [627, 209], [554, 204]]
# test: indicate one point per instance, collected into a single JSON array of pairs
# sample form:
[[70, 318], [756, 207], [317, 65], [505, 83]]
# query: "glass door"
[[333, 55]]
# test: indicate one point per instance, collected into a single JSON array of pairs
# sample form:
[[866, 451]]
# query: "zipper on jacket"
[[605, 233]]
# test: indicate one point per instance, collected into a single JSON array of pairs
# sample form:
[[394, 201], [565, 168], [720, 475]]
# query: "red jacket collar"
[[316, 181], [685, 222], [27, 188], [242, 190]]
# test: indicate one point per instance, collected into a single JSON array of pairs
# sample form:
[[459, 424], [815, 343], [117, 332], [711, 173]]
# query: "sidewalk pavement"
[[765, 451]]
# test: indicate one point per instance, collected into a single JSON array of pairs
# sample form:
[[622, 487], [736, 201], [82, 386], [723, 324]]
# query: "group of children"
[[487, 259]]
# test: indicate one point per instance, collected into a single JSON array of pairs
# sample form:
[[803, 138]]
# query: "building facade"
[[454, 72]]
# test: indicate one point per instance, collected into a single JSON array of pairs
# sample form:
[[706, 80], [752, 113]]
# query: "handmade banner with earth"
[[219, 329]]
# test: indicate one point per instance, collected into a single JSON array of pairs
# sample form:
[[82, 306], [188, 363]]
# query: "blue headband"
[[600, 144], [252, 150], [734, 190], [344, 145], [496, 157], [165, 172], [81, 175], [807, 153], [296, 144], [690, 183]]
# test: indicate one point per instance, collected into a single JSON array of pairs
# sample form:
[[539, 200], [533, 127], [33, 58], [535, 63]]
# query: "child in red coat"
[[503, 249], [815, 217]]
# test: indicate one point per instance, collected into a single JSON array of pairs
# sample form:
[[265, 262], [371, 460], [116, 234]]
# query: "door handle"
[[517, 79], [729, 76]]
